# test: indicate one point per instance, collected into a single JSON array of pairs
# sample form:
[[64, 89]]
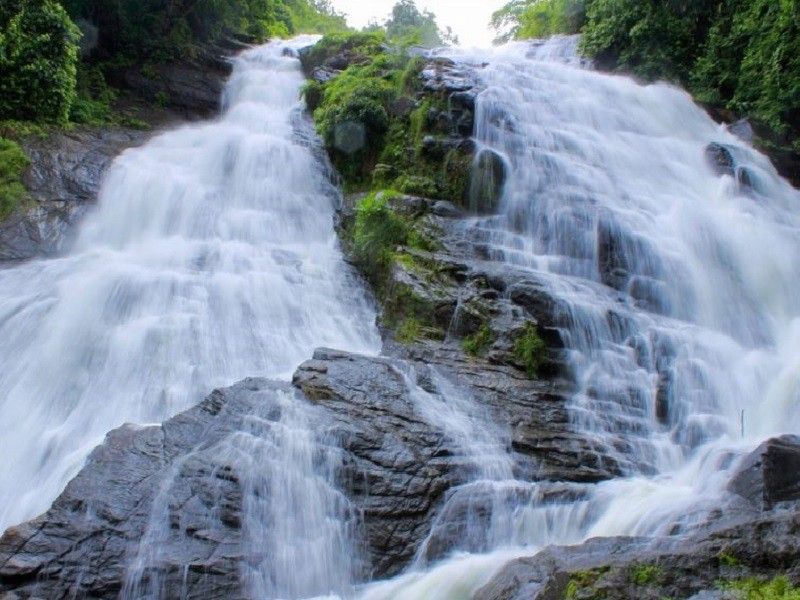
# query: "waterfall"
[[210, 257], [677, 294]]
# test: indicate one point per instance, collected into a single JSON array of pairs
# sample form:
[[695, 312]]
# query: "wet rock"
[[488, 179], [720, 159], [443, 208], [771, 473], [64, 180], [678, 567]]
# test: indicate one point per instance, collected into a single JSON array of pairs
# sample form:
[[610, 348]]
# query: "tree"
[[524, 19], [409, 24], [38, 58]]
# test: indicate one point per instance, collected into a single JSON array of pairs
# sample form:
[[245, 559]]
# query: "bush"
[[478, 343], [529, 350], [377, 232], [13, 163], [38, 57]]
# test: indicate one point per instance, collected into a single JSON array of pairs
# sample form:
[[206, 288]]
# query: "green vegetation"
[[755, 589], [377, 232], [727, 559], [525, 19], [411, 26], [479, 342], [737, 55], [159, 31], [13, 163], [581, 581], [409, 330], [529, 349], [38, 57], [642, 575]]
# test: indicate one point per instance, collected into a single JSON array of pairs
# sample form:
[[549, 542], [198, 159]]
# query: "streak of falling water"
[[677, 294], [211, 257]]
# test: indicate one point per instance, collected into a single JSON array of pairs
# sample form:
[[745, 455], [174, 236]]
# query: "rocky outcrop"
[[63, 181], [396, 466], [737, 543]]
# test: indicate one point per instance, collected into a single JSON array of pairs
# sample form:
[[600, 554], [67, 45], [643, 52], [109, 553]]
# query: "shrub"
[[529, 350], [642, 575], [377, 232], [524, 19], [38, 57], [477, 343], [13, 163]]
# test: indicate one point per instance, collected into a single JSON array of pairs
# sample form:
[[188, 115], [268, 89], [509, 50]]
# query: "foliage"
[[377, 232], [581, 580], [477, 343], [525, 19], [361, 46], [158, 30], [409, 330], [408, 25], [742, 55], [529, 349], [642, 575], [13, 163], [755, 589], [727, 559], [38, 57]]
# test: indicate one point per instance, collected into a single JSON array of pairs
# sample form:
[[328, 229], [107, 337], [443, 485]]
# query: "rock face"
[[64, 180], [770, 474], [396, 467]]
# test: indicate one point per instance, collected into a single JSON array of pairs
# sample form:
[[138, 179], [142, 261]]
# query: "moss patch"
[[642, 575], [580, 584], [752, 588]]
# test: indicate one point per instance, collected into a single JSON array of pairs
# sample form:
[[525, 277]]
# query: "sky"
[[468, 18]]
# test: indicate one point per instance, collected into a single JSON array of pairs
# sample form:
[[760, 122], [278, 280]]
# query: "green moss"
[[361, 46], [479, 342], [752, 588], [642, 575], [13, 163], [728, 559], [580, 585], [529, 350]]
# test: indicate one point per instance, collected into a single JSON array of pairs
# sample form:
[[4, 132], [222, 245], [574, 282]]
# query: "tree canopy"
[[38, 57]]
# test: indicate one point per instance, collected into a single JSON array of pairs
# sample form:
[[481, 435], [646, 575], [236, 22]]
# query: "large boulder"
[[771, 473]]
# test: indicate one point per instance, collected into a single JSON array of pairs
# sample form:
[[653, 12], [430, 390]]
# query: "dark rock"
[[771, 474], [488, 179], [443, 208], [437, 147], [720, 159], [64, 179]]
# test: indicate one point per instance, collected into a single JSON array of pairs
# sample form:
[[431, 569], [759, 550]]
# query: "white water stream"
[[211, 257]]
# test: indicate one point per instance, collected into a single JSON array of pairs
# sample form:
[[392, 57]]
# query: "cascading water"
[[211, 257], [677, 299]]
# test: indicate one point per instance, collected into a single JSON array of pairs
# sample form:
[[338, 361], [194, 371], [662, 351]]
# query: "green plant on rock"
[[378, 230], [580, 585], [409, 330], [13, 163], [530, 349], [727, 559], [479, 342], [753, 588], [642, 575]]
